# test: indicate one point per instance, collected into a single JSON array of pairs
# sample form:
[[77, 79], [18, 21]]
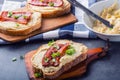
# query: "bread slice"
[[49, 12], [66, 62], [17, 29]]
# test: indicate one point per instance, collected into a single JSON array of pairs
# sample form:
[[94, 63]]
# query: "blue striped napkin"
[[76, 30]]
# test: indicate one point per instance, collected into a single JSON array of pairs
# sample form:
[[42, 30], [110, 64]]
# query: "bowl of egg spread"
[[110, 11]]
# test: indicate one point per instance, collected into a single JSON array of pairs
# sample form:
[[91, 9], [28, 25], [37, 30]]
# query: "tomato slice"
[[20, 17]]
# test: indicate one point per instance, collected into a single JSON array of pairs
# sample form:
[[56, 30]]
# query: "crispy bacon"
[[20, 17], [50, 51], [63, 49], [48, 56]]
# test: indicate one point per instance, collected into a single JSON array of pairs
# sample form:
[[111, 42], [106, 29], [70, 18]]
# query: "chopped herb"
[[17, 24], [56, 46], [21, 57], [50, 43], [70, 47], [70, 51], [37, 75], [24, 17], [110, 28], [53, 60], [41, 0], [51, 4], [14, 59], [46, 59], [9, 14], [16, 17], [54, 55]]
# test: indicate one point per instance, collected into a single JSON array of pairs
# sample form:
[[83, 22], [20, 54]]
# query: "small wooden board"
[[75, 71], [47, 25]]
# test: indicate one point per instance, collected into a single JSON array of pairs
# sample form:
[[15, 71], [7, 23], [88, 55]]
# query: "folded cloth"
[[76, 30]]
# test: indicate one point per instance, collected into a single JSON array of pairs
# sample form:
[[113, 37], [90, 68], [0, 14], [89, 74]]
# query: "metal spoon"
[[77, 4]]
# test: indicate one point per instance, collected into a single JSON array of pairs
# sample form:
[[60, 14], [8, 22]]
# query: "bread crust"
[[64, 68], [20, 32], [50, 12]]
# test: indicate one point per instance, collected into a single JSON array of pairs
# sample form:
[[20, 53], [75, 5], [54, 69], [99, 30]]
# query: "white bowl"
[[97, 8]]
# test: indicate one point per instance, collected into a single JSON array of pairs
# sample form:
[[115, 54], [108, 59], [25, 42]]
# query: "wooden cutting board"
[[78, 70], [47, 25]]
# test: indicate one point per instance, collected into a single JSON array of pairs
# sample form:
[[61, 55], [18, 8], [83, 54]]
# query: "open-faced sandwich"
[[19, 23], [56, 57], [49, 8]]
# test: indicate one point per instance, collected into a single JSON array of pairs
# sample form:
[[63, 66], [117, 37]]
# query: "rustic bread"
[[17, 29], [48, 12], [66, 62]]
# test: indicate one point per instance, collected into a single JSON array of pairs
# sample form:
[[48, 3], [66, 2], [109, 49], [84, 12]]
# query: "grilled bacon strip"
[[20, 17], [47, 60]]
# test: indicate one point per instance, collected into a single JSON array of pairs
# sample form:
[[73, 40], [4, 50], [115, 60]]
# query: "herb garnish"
[[110, 28], [46, 59], [9, 14], [53, 60], [24, 16], [50, 43], [14, 59], [21, 57], [56, 46], [70, 50], [16, 17], [41, 0], [17, 24], [37, 74], [51, 4], [54, 55]]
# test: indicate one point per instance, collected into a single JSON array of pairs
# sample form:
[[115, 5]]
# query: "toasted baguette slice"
[[66, 62], [17, 29], [49, 12]]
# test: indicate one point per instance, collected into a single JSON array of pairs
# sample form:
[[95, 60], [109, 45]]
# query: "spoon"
[[89, 12]]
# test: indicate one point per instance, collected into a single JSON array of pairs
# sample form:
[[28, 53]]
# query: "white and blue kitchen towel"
[[76, 30]]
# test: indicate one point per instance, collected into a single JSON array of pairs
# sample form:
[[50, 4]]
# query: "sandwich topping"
[[51, 3], [55, 52], [20, 17]]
